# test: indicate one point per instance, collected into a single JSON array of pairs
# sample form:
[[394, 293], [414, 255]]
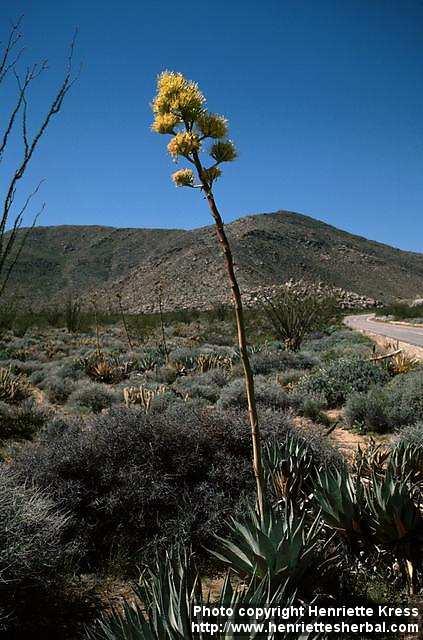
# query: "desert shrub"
[[93, 396], [71, 369], [72, 314], [340, 343], [193, 387], [57, 389], [401, 311], [309, 405], [31, 538], [269, 394], [34, 553], [143, 479], [37, 377], [370, 411], [397, 404], [266, 362], [206, 386], [412, 435], [290, 377], [218, 377], [28, 367], [21, 421], [339, 379], [294, 314], [163, 375], [406, 397]]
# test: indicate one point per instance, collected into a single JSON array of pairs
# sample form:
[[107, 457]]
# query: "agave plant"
[[149, 362], [407, 461], [338, 498], [102, 368], [289, 468], [399, 361], [372, 459], [396, 520], [12, 388], [280, 546], [169, 595]]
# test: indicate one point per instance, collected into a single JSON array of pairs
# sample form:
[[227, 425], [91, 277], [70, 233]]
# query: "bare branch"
[[8, 61], [14, 36], [12, 264]]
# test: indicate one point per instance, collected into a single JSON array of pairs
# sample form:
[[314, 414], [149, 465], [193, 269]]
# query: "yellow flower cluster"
[[212, 125], [183, 178], [165, 123], [179, 110], [178, 96], [183, 144], [211, 174], [223, 151]]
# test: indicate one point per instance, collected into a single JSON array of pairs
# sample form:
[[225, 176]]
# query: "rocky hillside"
[[269, 250]]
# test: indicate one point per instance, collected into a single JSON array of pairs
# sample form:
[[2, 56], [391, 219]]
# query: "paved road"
[[411, 335]]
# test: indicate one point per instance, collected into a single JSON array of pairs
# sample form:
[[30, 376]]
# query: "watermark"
[[364, 621]]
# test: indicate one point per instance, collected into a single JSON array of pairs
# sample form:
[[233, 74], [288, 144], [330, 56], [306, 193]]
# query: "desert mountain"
[[269, 249]]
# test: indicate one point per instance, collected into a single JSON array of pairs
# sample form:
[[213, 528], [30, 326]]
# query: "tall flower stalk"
[[179, 111]]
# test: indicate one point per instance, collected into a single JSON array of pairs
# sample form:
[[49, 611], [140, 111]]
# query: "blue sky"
[[324, 99]]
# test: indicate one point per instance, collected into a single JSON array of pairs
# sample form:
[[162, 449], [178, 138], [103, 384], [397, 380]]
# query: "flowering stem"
[[242, 340]]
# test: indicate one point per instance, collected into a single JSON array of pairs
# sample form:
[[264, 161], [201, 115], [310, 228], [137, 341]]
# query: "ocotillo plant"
[[180, 111]]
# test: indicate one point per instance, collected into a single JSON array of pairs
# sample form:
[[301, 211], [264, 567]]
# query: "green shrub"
[[397, 404], [336, 381], [406, 398], [293, 314], [290, 377], [401, 311], [21, 422], [370, 411], [266, 362], [192, 387], [93, 396], [341, 343], [143, 480], [70, 369], [34, 554], [269, 394], [28, 367], [162, 375], [412, 435], [57, 389]]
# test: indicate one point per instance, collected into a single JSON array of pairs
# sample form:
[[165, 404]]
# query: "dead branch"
[[385, 356], [9, 59]]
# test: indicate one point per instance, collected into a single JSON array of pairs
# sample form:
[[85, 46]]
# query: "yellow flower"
[[183, 178], [223, 151], [211, 174], [183, 144], [212, 125], [177, 95], [165, 123]]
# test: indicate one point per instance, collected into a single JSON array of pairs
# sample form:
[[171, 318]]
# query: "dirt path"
[[348, 441]]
